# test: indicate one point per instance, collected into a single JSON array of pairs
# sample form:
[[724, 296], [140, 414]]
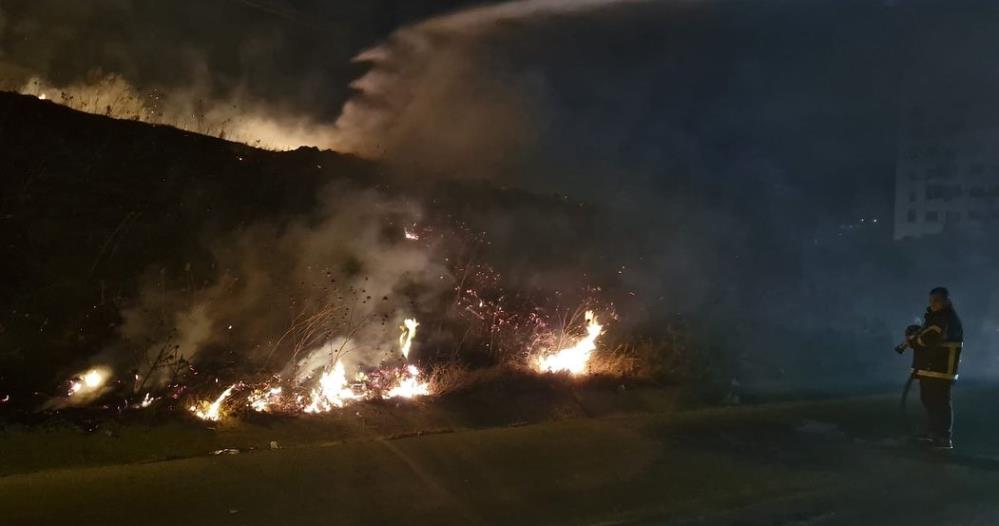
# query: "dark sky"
[[294, 52]]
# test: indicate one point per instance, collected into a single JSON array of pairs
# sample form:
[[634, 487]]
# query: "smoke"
[[238, 118], [557, 97], [339, 282], [736, 148], [732, 147], [442, 98], [270, 73]]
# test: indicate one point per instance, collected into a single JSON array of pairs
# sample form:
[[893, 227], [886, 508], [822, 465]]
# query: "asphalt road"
[[833, 463]]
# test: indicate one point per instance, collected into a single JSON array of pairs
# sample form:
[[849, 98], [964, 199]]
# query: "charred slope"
[[89, 204]]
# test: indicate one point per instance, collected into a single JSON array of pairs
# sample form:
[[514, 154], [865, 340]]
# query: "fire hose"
[[902, 405], [910, 333]]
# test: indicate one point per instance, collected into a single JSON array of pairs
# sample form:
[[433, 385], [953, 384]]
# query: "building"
[[947, 177]]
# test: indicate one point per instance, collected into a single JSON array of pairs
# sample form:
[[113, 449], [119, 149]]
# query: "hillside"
[[97, 211], [90, 203]]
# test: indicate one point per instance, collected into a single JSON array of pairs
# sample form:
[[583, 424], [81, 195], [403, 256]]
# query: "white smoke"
[[291, 297], [437, 96]]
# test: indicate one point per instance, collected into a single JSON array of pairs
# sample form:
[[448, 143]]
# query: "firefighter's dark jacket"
[[937, 346]]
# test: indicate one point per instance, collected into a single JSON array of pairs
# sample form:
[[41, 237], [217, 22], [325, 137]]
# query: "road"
[[828, 463]]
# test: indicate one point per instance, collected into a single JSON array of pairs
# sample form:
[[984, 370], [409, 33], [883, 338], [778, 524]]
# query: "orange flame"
[[573, 360], [212, 411], [410, 386]]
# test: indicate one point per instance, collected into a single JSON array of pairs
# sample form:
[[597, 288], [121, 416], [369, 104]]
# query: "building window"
[[937, 172], [974, 215], [939, 191], [953, 217], [932, 217], [912, 216]]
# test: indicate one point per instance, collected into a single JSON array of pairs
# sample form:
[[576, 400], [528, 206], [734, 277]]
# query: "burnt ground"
[[810, 463]]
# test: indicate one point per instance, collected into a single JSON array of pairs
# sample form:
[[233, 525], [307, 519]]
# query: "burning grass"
[[348, 351], [575, 358], [179, 352], [583, 351], [313, 389], [320, 379], [334, 390]]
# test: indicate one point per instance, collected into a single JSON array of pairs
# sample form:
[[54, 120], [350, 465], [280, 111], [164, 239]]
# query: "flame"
[[89, 382], [408, 333], [410, 386], [212, 411], [261, 400], [574, 359], [411, 235], [147, 401], [331, 392]]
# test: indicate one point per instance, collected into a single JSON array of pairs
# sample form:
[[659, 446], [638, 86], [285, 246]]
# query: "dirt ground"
[[813, 463]]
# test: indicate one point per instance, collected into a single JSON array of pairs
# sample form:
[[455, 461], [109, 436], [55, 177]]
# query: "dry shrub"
[[675, 351], [646, 359], [454, 378], [450, 377]]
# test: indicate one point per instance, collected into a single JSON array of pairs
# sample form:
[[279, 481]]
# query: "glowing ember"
[[573, 359], [147, 401], [411, 235], [408, 333], [410, 385], [261, 400], [211, 411], [331, 392], [89, 382]]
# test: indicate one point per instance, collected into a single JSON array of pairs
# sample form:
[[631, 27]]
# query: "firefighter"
[[936, 346]]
